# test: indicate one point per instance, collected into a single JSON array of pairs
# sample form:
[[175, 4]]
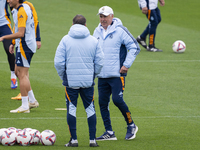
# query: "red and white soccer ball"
[[179, 46], [18, 131], [24, 138], [8, 138], [12, 129], [1, 132], [27, 129], [47, 137], [36, 136]]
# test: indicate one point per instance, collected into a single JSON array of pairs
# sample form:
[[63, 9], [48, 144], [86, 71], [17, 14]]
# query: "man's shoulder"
[[21, 11], [121, 27], [64, 38], [93, 38], [23, 8]]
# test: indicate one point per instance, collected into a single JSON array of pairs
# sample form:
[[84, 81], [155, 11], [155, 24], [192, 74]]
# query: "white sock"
[[31, 96], [25, 102], [92, 141], [110, 132], [13, 76], [74, 141]]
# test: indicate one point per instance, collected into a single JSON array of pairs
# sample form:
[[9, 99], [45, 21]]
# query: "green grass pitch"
[[162, 89]]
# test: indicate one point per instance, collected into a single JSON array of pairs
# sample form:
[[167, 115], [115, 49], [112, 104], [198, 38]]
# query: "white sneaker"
[[33, 105], [20, 110]]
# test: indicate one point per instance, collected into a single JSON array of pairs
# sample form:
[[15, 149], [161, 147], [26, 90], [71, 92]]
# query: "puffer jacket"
[[78, 58], [119, 46]]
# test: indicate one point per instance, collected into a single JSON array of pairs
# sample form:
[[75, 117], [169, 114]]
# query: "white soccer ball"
[[47, 137], [179, 46], [24, 138], [8, 138], [27, 129], [18, 130], [36, 136], [12, 129], [1, 132]]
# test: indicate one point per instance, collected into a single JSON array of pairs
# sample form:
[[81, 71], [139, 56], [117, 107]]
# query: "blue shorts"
[[5, 30], [23, 59]]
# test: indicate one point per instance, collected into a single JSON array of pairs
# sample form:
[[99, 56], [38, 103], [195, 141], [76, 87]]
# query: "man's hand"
[[144, 10], [162, 2], [11, 49], [123, 69], [39, 44], [1, 39]]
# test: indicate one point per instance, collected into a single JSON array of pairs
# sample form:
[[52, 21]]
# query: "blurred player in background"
[[37, 31], [25, 43], [5, 29], [150, 8], [36, 23]]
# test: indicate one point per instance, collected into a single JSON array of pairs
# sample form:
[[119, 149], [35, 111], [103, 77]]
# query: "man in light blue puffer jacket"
[[78, 59], [120, 49]]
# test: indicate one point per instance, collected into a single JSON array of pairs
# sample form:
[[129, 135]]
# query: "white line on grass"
[[60, 108], [5, 62], [139, 61], [61, 118], [155, 61]]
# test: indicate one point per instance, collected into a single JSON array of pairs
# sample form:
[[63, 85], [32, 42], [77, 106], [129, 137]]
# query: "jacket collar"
[[19, 7]]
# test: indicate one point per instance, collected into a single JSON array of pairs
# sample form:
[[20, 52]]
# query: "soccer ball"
[[18, 130], [24, 138], [12, 128], [1, 132], [179, 46], [27, 129], [8, 138], [36, 136], [47, 137]]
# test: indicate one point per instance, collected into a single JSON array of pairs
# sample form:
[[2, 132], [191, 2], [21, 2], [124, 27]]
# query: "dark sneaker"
[[154, 49], [107, 136], [94, 144], [70, 144], [131, 132], [142, 42]]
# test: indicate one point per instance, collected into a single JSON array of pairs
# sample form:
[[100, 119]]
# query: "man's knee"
[[21, 72], [118, 100], [154, 23]]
